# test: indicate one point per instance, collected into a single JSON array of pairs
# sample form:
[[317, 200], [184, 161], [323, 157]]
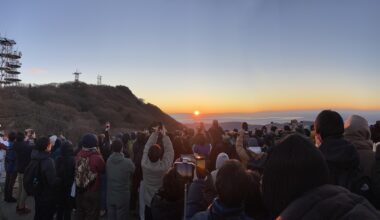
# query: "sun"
[[196, 113]]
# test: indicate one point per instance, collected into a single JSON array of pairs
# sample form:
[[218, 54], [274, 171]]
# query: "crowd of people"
[[329, 170]]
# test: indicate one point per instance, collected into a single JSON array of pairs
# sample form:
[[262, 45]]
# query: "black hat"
[[89, 141]]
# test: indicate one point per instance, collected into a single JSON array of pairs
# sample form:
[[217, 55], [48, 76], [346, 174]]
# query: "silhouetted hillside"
[[75, 108]]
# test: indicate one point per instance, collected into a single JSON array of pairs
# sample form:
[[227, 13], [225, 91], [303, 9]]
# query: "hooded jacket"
[[97, 165], [65, 166], [357, 132], [119, 171], [153, 173], [329, 202], [341, 157]]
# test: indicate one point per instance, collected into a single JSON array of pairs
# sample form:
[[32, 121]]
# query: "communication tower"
[[77, 73], [99, 80]]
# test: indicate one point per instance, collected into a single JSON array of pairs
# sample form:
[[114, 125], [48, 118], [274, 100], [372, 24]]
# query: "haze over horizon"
[[214, 56]]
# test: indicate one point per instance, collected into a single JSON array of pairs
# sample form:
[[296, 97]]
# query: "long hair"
[[294, 167]]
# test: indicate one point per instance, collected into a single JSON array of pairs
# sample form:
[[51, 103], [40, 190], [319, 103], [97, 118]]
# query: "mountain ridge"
[[73, 109]]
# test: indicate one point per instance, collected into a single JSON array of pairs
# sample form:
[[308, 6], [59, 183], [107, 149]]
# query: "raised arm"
[[244, 157], [168, 157], [152, 140]]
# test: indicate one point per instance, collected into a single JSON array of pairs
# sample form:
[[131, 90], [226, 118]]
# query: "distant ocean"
[[262, 118]]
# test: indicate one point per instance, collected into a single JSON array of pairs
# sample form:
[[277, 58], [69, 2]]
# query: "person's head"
[[293, 167], [244, 126], [117, 146], [328, 124], [287, 128], [154, 153], [273, 128], [173, 185], [12, 136], [357, 128], [89, 141], [29, 133], [125, 138], [140, 137], [200, 139], [67, 148], [20, 137], [43, 144], [133, 136], [222, 157], [231, 175]]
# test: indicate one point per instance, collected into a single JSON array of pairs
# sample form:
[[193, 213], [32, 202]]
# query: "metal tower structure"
[[9, 62], [99, 80], [77, 73]]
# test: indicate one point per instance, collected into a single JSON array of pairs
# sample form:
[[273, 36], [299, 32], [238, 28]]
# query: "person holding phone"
[[156, 161]]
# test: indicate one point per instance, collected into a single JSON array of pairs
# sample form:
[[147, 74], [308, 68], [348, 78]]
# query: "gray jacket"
[[153, 173], [119, 171]]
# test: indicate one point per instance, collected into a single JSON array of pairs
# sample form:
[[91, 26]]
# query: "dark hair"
[[244, 126], [20, 136], [12, 136], [200, 139], [231, 175], [154, 153], [273, 128], [42, 143], [287, 128], [254, 205], [294, 167], [125, 138], [329, 124], [117, 146], [173, 185]]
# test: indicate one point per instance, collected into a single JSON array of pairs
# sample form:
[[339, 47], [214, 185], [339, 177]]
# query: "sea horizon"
[[262, 118]]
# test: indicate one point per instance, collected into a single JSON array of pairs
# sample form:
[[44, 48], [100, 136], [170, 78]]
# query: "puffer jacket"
[[153, 173], [329, 202]]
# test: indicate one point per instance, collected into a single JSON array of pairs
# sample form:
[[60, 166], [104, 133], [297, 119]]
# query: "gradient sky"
[[211, 55]]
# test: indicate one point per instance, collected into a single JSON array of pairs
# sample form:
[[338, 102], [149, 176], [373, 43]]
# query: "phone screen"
[[201, 163], [185, 169]]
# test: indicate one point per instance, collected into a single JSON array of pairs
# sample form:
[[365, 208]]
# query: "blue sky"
[[215, 56]]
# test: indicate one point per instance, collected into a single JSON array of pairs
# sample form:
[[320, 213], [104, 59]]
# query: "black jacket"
[[376, 179], [65, 167], [342, 158], [49, 176], [330, 202], [162, 208], [23, 152]]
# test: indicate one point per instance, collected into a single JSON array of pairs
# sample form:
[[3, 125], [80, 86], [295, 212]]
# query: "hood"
[[116, 158], [39, 155], [218, 211], [340, 153], [357, 132], [222, 157]]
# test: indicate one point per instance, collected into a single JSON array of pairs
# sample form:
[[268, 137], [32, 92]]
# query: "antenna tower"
[[99, 80], [76, 74]]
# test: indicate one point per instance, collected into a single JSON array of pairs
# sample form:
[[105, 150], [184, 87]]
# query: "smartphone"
[[200, 162], [185, 169]]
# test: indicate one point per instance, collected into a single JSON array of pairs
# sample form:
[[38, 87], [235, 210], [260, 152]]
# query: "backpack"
[[84, 177], [33, 178], [356, 182]]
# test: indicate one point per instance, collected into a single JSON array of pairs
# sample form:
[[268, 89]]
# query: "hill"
[[73, 109]]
